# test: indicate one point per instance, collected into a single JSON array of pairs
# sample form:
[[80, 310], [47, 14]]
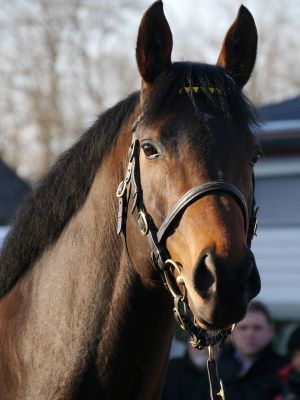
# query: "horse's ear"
[[238, 51], [154, 43]]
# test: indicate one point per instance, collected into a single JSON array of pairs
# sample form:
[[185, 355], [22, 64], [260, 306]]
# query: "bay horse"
[[85, 313]]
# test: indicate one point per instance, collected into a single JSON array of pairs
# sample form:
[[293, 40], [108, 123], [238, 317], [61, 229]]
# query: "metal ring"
[[179, 318], [255, 227], [145, 228], [121, 189], [131, 151], [173, 285], [174, 264], [173, 289], [180, 311]]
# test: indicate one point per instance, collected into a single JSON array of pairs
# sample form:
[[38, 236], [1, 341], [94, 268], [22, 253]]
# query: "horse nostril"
[[212, 274], [205, 275]]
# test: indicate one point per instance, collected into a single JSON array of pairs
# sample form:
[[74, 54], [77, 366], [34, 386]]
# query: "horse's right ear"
[[154, 43]]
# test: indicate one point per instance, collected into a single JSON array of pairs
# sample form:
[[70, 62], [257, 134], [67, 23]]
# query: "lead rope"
[[199, 338], [216, 388]]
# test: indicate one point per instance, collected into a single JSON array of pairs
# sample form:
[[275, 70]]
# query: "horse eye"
[[150, 151], [257, 157]]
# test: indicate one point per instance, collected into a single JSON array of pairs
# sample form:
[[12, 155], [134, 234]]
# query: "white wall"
[[277, 253], [278, 191], [277, 247]]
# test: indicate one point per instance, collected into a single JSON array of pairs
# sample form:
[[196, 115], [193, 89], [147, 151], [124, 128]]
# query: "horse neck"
[[135, 338], [86, 310], [60, 304], [134, 346]]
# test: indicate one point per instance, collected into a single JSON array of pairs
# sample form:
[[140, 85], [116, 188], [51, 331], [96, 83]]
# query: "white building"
[[277, 247]]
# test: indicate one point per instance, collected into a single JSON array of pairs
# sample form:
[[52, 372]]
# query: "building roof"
[[13, 191], [285, 110], [279, 128]]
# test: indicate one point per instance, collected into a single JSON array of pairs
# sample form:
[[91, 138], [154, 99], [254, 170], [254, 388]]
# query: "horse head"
[[193, 169], [78, 294]]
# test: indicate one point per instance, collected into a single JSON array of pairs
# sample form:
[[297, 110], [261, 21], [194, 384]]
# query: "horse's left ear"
[[154, 43], [238, 51]]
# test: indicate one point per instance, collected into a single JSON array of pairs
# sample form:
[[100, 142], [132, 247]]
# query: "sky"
[[213, 17], [199, 27]]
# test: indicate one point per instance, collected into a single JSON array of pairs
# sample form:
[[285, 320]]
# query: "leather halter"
[[200, 191], [130, 186]]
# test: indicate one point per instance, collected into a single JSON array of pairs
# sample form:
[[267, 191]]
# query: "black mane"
[[60, 195]]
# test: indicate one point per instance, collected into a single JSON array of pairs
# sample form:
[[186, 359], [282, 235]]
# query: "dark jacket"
[[184, 381], [260, 382]]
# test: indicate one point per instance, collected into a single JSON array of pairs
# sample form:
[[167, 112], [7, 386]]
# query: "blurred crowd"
[[248, 365]]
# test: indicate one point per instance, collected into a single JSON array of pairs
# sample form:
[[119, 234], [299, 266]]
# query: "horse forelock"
[[60, 194], [201, 84]]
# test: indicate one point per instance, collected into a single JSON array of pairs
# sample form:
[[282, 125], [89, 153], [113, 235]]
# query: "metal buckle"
[[221, 393], [131, 150], [121, 189], [255, 227], [215, 383]]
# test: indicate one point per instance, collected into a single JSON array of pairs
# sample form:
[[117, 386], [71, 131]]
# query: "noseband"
[[131, 186]]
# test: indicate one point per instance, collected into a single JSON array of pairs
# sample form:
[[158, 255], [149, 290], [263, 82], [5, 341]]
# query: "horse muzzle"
[[220, 292]]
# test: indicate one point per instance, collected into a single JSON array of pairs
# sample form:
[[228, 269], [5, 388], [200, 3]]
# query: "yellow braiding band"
[[199, 89]]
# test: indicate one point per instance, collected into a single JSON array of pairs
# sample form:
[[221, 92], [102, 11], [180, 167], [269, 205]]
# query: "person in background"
[[187, 377], [249, 369], [289, 376]]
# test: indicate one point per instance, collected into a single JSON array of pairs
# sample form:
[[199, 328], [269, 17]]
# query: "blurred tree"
[[200, 28], [64, 60], [276, 75], [60, 61]]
